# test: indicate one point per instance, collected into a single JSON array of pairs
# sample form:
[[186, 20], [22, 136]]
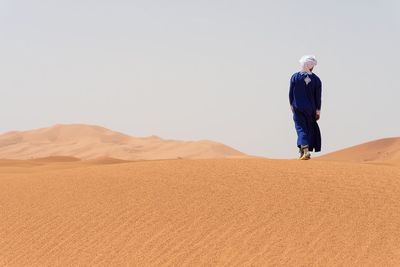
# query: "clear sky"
[[207, 69]]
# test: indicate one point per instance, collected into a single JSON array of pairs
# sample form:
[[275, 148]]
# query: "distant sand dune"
[[386, 151], [219, 212], [93, 142]]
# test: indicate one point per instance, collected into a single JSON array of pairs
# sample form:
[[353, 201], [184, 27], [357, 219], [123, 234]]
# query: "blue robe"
[[306, 100]]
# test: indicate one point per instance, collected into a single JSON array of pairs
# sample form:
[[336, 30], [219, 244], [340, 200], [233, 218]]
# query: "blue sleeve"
[[318, 93], [291, 88]]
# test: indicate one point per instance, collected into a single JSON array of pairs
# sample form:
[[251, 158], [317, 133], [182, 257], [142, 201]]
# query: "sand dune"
[[385, 151], [219, 212], [88, 196], [93, 142]]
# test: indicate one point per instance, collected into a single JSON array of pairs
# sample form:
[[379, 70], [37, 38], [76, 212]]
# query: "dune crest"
[[386, 151], [89, 142]]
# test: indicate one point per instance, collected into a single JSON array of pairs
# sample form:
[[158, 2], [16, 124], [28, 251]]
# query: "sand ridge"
[[215, 212]]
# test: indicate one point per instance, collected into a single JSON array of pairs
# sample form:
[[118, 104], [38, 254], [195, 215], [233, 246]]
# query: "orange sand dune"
[[215, 212], [379, 151], [92, 142]]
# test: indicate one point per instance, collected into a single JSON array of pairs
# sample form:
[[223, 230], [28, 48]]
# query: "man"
[[305, 102]]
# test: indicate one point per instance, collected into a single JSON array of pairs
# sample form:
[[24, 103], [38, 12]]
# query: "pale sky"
[[207, 69]]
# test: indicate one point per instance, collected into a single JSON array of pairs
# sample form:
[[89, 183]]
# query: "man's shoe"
[[306, 156], [301, 152], [304, 152]]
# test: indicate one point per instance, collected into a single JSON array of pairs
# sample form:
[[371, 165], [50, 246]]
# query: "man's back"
[[305, 92]]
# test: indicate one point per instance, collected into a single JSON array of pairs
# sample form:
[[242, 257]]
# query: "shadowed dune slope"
[[56, 159], [220, 212], [379, 151], [93, 142]]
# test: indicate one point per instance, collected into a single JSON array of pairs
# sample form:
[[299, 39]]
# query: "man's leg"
[[300, 121]]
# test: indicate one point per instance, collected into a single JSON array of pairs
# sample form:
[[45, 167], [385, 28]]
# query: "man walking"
[[305, 102]]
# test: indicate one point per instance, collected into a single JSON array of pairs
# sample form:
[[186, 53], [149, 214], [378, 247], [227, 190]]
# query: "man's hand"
[[317, 115]]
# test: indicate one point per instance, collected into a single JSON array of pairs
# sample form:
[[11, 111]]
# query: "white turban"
[[307, 62]]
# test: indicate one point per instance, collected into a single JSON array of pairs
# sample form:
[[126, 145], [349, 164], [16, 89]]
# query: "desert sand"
[[90, 142], [214, 212], [81, 195]]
